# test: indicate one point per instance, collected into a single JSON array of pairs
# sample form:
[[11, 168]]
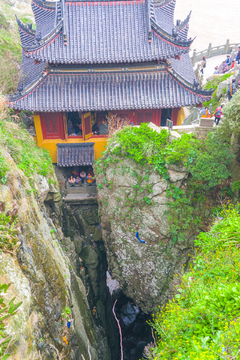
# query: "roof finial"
[[149, 28], [64, 22], [39, 36]]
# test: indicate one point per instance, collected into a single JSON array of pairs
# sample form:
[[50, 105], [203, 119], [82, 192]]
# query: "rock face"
[[43, 278], [83, 237], [133, 204]]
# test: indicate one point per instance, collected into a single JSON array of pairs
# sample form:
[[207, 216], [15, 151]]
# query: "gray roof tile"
[[102, 32], [108, 91], [29, 72], [164, 13], [45, 17], [75, 154], [184, 68]]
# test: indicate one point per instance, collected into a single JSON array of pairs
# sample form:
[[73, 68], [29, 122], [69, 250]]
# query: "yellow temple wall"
[[181, 116], [51, 144]]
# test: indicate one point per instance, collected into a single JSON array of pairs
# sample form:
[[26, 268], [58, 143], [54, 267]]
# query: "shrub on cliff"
[[213, 84], [231, 122], [10, 49], [202, 321], [10, 52], [15, 140], [206, 161], [7, 310]]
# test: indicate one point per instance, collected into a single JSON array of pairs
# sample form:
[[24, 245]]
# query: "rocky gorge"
[[56, 318], [58, 272], [59, 268]]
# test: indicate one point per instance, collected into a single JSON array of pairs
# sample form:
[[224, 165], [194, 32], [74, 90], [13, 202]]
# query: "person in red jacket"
[[218, 114]]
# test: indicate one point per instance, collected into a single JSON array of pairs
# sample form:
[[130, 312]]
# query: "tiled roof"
[[45, 16], [75, 154], [184, 68], [113, 33], [27, 34], [29, 72], [183, 27], [164, 14], [103, 32], [98, 91]]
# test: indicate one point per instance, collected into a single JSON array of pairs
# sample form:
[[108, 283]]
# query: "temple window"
[[74, 124]]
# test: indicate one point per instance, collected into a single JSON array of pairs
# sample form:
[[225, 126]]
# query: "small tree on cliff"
[[229, 130]]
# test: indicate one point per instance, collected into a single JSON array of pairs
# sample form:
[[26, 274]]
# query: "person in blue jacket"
[[238, 55]]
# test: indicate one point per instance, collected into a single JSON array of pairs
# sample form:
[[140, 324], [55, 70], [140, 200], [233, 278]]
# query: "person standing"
[[203, 63], [228, 61], [218, 114], [231, 89], [238, 55]]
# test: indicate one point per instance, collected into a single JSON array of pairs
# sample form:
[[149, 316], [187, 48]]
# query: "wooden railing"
[[213, 51]]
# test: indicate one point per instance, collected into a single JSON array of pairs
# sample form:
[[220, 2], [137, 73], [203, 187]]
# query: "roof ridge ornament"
[[27, 28], [172, 37], [149, 10], [64, 22], [180, 24], [41, 42]]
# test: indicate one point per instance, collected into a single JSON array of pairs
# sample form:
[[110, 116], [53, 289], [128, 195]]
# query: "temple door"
[[87, 126], [52, 126]]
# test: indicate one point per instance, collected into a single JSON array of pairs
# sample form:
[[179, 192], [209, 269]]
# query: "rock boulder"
[[141, 253]]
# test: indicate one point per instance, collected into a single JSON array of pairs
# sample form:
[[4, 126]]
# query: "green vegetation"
[[229, 130], [10, 52], [27, 156], [7, 310], [8, 241], [10, 49], [142, 145], [202, 321], [207, 161], [213, 84], [8, 233]]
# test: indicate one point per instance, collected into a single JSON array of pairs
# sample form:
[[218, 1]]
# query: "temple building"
[[89, 60]]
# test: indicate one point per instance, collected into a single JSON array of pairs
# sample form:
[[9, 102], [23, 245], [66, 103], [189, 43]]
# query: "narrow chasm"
[[136, 333], [80, 235]]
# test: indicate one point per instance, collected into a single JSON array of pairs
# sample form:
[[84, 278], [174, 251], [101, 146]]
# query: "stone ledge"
[[76, 199]]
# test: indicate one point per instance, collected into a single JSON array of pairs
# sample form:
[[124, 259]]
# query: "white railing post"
[[209, 50], [194, 57], [227, 46]]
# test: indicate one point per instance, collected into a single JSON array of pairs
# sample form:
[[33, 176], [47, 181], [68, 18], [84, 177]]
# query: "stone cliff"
[[141, 252], [44, 275]]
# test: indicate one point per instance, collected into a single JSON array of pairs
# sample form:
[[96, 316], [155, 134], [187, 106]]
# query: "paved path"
[[211, 63]]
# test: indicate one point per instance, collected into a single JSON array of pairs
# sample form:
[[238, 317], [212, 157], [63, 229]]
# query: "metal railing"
[[169, 124], [213, 51]]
